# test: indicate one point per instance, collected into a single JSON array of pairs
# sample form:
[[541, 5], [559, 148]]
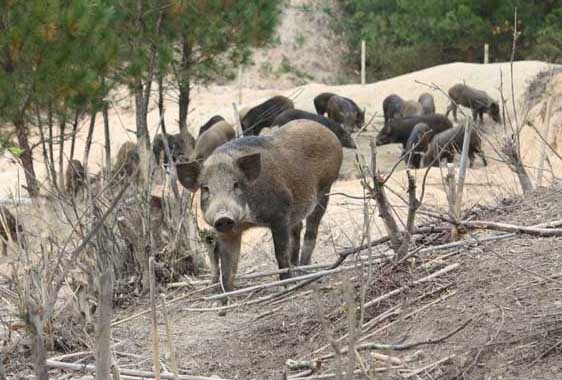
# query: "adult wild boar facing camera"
[[271, 181]]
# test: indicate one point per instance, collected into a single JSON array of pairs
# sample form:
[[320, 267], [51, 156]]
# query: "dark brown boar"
[[342, 135], [417, 144], [272, 181], [391, 106], [477, 100], [9, 229], [428, 103], [321, 102], [346, 112], [262, 115], [212, 121], [179, 148], [75, 177], [446, 144]]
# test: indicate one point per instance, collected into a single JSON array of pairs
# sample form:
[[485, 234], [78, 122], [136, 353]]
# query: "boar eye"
[[204, 189], [236, 185]]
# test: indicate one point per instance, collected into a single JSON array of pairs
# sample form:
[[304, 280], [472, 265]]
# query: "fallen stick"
[[343, 373], [90, 368], [427, 367], [481, 224], [405, 287]]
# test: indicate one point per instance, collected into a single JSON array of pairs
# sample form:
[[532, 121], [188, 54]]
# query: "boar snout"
[[224, 224]]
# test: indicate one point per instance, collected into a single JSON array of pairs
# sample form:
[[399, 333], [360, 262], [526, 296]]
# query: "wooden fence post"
[[363, 53], [486, 53]]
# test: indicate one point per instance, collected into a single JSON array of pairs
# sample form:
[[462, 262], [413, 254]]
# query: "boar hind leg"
[[228, 252], [312, 224], [295, 243], [282, 242]]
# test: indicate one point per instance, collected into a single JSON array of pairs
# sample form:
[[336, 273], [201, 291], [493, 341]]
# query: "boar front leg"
[[312, 224], [282, 242], [228, 254]]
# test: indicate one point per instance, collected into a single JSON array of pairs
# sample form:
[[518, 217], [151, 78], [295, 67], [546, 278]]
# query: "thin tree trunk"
[[184, 87], [73, 137], [62, 127], [161, 102], [89, 140], [43, 146], [2, 373], [50, 144], [26, 157], [39, 355], [103, 328], [107, 138]]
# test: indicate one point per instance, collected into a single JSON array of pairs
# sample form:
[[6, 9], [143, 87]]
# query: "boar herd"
[[282, 181]]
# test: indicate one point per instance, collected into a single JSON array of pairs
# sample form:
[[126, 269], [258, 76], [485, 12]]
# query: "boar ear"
[[188, 173], [250, 165]]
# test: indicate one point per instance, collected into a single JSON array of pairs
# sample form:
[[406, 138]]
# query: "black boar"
[[179, 149], [445, 144], [392, 106], [215, 119], [411, 108], [399, 130], [214, 137], [342, 135], [75, 177], [428, 103], [346, 112], [9, 228], [417, 144], [262, 115], [478, 101], [321, 102], [271, 181]]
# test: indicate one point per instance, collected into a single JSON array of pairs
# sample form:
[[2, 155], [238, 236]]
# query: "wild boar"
[[417, 144], [411, 108], [321, 102], [428, 103], [270, 181], [218, 134], [446, 143], [346, 112], [75, 177], [213, 120], [9, 229], [399, 130], [342, 135], [392, 106], [477, 100], [179, 148], [262, 115]]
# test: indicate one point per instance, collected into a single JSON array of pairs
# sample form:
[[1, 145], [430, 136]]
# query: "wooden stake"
[[486, 53], [240, 84], [171, 349], [155, 338], [103, 328], [363, 54]]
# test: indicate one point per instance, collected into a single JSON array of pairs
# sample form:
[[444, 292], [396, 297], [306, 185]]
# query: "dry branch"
[[171, 349], [482, 224], [89, 368], [154, 321]]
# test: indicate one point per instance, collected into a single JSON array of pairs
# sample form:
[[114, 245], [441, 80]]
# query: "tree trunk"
[[73, 137], [184, 87], [43, 146], [26, 157], [50, 144], [103, 326], [62, 127], [161, 102], [39, 355], [107, 138], [141, 110], [89, 140]]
